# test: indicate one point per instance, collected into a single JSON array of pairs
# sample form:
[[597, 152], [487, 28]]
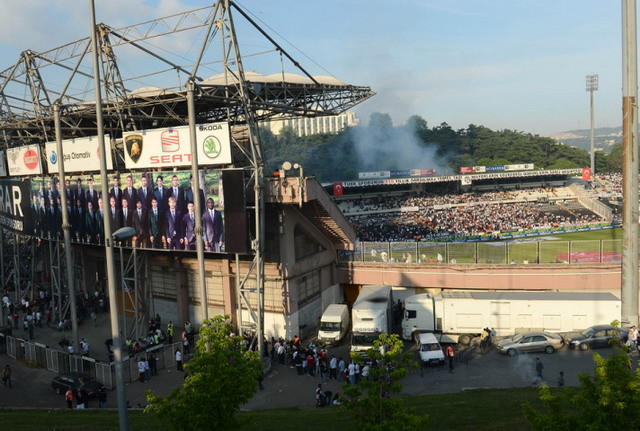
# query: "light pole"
[[592, 85]]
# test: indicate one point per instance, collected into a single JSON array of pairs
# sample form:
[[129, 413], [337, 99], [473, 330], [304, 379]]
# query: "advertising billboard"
[[171, 147], [16, 212], [159, 206], [3, 164], [80, 155], [24, 160]]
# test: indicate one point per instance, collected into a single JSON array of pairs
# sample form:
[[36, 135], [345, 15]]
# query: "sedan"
[[63, 382], [531, 342], [597, 337]]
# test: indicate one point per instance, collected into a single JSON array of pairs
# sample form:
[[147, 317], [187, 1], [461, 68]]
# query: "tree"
[[379, 120], [608, 400], [222, 376], [371, 401]]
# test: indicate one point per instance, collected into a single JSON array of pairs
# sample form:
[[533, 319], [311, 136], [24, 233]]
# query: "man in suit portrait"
[[42, 218], [162, 194], [189, 224], [173, 226], [79, 193], [53, 219], [115, 214], [92, 194], [130, 193], [99, 219], [116, 193], [69, 192], [213, 228], [191, 198], [141, 226], [145, 192], [79, 220], [90, 229], [156, 225], [178, 193]]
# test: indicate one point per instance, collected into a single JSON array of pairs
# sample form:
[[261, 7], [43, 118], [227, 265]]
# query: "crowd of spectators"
[[436, 216]]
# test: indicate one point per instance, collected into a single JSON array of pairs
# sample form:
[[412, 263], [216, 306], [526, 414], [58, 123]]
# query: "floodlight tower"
[[592, 85]]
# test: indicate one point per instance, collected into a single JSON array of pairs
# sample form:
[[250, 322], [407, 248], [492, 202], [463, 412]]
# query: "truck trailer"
[[461, 316], [370, 316]]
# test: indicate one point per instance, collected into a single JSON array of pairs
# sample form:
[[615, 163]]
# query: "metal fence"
[[58, 361], [495, 253]]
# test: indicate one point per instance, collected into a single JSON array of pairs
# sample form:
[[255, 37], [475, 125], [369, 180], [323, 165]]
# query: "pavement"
[[283, 387]]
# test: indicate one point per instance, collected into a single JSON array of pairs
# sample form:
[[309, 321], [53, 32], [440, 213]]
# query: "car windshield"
[[430, 347], [588, 332], [330, 326], [364, 339], [517, 337]]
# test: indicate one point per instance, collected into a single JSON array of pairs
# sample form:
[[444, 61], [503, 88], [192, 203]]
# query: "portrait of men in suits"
[[116, 193], [141, 226], [79, 220], [156, 225], [92, 194], [213, 228], [130, 193], [69, 192], [145, 193], [53, 220], [173, 226], [115, 214], [42, 218], [189, 197], [178, 193], [162, 194], [189, 224], [127, 213]]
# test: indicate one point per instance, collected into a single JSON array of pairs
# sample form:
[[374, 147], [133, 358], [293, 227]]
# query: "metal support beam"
[[630, 306]]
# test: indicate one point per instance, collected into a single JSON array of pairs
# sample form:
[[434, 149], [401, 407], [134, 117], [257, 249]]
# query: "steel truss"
[[230, 96], [135, 294]]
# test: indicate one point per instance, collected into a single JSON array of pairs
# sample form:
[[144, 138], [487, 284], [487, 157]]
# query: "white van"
[[430, 349], [334, 324]]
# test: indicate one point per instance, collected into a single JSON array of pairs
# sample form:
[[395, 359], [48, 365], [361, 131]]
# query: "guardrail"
[[493, 253]]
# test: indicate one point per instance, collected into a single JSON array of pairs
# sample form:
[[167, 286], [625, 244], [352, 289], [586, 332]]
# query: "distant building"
[[304, 126]]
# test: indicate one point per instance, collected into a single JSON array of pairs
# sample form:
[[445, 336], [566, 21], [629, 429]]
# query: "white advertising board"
[[24, 160], [171, 147], [80, 155]]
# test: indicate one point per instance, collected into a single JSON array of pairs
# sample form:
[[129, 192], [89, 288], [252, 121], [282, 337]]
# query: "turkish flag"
[[338, 189], [586, 174]]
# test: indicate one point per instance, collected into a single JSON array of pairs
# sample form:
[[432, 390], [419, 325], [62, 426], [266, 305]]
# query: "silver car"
[[531, 342]]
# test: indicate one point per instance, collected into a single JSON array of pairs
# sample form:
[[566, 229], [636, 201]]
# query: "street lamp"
[[592, 85]]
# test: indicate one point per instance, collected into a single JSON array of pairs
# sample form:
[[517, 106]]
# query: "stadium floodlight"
[[592, 85]]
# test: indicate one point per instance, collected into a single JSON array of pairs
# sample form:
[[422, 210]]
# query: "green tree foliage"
[[222, 375], [608, 400], [371, 400]]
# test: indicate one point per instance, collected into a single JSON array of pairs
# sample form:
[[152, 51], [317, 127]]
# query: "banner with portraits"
[[158, 206]]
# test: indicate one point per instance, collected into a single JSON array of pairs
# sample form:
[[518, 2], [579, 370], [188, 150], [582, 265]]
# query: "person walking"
[[141, 369], [68, 396], [450, 354], [102, 398], [539, 368], [6, 376], [179, 359], [561, 379]]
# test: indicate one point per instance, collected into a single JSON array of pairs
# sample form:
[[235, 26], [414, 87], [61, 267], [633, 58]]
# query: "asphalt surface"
[[284, 388]]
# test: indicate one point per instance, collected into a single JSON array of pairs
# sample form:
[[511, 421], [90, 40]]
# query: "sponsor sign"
[[80, 155], [371, 175], [171, 147], [3, 164], [24, 160], [466, 181], [16, 214], [467, 169]]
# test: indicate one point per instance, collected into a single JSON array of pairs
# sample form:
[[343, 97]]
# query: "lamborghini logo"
[[133, 144]]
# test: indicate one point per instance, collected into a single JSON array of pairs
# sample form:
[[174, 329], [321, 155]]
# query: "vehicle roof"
[[533, 296], [371, 295], [74, 375], [334, 310], [530, 334], [427, 337]]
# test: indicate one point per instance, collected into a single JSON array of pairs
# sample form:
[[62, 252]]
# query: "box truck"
[[370, 316], [334, 324], [460, 316]]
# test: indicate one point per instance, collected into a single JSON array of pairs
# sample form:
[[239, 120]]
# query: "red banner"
[[586, 174], [338, 189]]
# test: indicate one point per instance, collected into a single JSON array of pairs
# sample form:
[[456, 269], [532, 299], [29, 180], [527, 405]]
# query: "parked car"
[[62, 382], [429, 350], [531, 342], [597, 337]]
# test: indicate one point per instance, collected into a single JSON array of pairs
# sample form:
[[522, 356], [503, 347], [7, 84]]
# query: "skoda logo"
[[53, 158]]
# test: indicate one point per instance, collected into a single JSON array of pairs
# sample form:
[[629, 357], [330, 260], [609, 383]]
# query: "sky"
[[504, 64]]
